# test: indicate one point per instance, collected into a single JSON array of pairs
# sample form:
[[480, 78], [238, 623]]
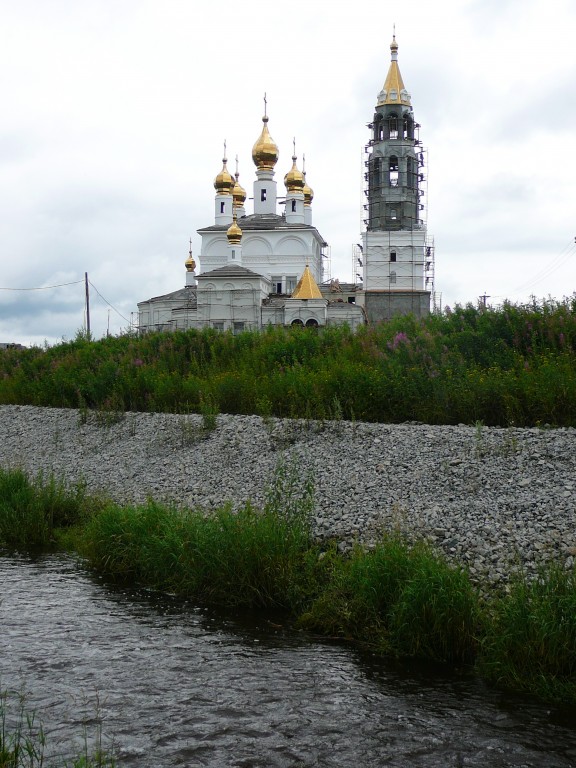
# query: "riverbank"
[[488, 498]]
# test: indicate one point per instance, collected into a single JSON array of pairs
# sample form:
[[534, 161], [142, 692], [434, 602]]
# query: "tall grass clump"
[[31, 509], [530, 642], [248, 557], [399, 599]]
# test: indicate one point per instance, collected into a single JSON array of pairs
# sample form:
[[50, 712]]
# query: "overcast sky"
[[114, 114]]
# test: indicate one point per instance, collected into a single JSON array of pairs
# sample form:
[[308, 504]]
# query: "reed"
[[530, 640], [23, 742], [31, 509], [399, 599]]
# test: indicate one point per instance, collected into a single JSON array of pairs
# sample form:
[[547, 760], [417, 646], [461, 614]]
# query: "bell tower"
[[395, 255]]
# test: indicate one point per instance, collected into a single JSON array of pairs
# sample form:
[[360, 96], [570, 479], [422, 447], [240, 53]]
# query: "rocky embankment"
[[490, 498]]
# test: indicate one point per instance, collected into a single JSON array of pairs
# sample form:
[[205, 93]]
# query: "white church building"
[[266, 267]]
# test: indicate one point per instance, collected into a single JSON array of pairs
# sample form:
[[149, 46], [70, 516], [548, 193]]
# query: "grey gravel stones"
[[491, 499]]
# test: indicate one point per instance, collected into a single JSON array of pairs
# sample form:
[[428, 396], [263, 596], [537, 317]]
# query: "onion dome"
[[308, 191], [190, 264], [234, 233], [224, 183], [265, 151], [294, 179], [238, 193]]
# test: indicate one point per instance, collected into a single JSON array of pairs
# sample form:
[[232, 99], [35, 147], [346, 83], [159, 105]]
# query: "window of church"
[[393, 126], [291, 282], [311, 323], [411, 173], [393, 171], [276, 283], [222, 206], [297, 322], [392, 277], [293, 206], [238, 327], [262, 195], [376, 173], [393, 256], [233, 254], [218, 325]]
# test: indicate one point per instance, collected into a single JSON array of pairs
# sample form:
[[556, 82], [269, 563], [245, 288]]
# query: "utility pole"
[[87, 304]]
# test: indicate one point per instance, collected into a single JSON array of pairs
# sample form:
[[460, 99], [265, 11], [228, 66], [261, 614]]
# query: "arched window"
[[297, 322], [293, 206], [393, 126], [311, 323], [410, 172], [376, 173], [393, 171], [408, 127]]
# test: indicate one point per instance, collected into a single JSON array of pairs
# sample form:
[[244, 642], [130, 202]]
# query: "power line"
[[44, 287], [107, 302], [546, 271]]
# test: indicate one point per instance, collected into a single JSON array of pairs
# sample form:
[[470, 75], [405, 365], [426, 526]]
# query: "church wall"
[[383, 305]]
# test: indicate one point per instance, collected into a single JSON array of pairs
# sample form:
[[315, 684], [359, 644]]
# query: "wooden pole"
[[87, 304]]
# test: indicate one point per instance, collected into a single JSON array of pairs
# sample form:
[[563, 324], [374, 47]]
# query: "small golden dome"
[[190, 264], [238, 193], [294, 179], [308, 191], [224, 183], [234, 233], [265, 152]]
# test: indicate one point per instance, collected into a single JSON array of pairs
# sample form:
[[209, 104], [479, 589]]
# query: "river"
[[174, 684]]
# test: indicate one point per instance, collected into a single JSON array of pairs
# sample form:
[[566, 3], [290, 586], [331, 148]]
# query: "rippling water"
[[175, 685]]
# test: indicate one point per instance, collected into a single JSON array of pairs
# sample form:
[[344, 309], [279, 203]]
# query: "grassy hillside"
[[515, 365]]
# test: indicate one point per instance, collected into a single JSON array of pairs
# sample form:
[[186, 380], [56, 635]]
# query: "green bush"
[[515, 365]]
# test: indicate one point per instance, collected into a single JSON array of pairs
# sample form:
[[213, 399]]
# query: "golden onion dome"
[[265, 151], [190, 264], [234, 233], [308, 191], [238, 193], [294, 179], [224, 183]]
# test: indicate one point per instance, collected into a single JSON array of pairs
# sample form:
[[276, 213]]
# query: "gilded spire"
[[224, 183], [394, 91], [307, 287], [265, 152]]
